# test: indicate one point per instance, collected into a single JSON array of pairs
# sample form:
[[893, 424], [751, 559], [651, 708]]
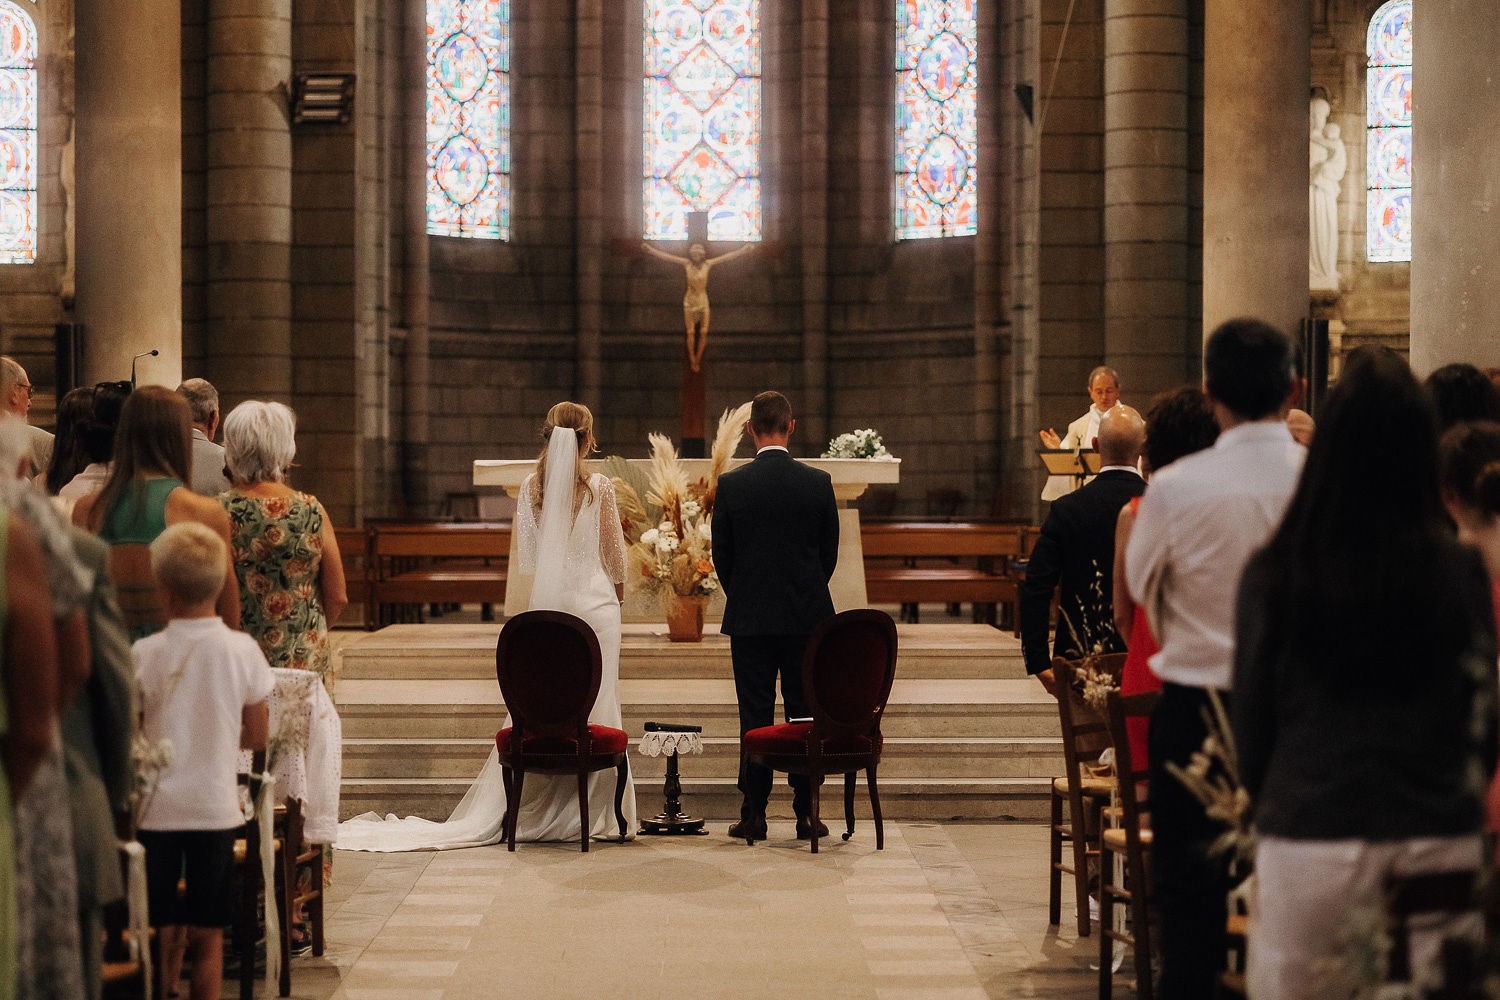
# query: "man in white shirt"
[[16, 391], [208, 458], [1104, 393], [1198, 525]]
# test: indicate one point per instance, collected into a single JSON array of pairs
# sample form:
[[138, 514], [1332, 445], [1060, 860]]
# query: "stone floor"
[[946, 911]]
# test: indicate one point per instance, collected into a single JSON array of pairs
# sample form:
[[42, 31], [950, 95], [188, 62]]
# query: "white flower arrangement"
[[863, 443], [147, 761]]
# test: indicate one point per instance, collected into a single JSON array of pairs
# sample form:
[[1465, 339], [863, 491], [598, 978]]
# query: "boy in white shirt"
[[203, 688]]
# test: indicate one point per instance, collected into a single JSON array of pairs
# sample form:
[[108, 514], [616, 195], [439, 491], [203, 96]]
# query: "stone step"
[[719, 800], [467, 652], [903, 758]]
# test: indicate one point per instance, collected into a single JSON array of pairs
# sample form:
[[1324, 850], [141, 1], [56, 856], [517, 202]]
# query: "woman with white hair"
[[285, 555]]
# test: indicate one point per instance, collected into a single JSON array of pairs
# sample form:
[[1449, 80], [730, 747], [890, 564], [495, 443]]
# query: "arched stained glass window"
[[702, 119], [1388, 139], [937, 135], [18, 153], [468, 118]]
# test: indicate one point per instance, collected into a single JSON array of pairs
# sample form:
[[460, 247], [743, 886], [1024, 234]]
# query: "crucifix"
[[695, 318]]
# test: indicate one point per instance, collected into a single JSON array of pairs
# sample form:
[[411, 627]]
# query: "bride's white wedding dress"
[[593, 563]]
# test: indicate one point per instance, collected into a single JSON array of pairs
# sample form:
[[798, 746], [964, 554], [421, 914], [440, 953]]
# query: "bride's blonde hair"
[[566, 417]]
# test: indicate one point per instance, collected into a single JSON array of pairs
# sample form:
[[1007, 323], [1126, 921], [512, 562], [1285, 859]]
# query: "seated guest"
[[142, 496], [202, 398], [1179, 423], [1104, 392], [203, 688], [96, 439], [1462, 393], [1075, 554], [1357, 631], [286, 558]]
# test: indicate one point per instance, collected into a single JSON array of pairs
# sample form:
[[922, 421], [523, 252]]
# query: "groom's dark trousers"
[[757, 661]]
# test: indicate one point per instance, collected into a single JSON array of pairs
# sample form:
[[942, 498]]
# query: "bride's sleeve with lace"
[[526, 527], [611, 535]]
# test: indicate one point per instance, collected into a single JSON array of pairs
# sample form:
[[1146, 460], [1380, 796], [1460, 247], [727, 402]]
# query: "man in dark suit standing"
[[775, 541], [1075, 552]]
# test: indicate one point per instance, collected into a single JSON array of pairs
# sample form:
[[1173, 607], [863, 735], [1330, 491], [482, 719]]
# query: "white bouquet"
[[864, 443]]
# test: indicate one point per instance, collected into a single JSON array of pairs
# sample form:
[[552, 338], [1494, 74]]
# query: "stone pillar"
[[815, 407], [588, 124], [416, 274], [1145, 194], [1455, 257], [248, 334], [129, 176], [1256, 78], [988, 284]]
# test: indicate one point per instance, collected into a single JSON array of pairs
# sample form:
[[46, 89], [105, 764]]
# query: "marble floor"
[[945, 912]]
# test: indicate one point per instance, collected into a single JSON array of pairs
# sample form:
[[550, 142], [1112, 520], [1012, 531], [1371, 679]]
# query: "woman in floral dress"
[[285, 555]]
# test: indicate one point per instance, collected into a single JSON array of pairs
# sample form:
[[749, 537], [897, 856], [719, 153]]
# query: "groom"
[[775, 541]]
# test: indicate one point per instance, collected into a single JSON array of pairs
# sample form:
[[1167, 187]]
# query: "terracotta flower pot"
[[684, 617]]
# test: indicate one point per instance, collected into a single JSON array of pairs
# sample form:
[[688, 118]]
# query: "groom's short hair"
[[770, 413]]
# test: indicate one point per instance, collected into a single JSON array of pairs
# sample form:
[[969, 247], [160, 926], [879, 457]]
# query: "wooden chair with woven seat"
[[1085, 736], [549, 667], [1132, 841], [847, 673], [294, 855]]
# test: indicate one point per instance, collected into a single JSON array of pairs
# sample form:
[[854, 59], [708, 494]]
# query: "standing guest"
[[1104, 392], [285, 555], [69, 457], [1075, 554], [1334, 708], [203, 689], [1198, 525], [209, 479], [775, 544], [16, 391], [1178, 423], [97, 441], [1462, 393], [142, 496]]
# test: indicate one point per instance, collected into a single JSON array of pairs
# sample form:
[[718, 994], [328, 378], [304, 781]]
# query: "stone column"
[[248, 335], [988, 284], [1145, 194], [815, 407], [416, 404], [588, 125], [1455, 257], [129, 176], [1256, 78]]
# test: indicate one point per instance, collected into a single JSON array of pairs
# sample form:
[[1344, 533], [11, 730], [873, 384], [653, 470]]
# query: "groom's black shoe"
[[805, 827], [749, 829]]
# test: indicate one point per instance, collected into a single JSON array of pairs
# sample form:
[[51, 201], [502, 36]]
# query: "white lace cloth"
[[659, 744], [307, 750]]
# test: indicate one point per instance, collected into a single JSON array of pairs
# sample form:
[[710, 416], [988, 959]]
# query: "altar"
[[851, 477]]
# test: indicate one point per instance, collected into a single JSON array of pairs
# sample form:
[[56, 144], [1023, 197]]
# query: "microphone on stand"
[[144, 354]]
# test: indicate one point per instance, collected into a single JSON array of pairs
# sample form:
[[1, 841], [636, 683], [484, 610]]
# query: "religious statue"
[[695, 300], [1327, 162]]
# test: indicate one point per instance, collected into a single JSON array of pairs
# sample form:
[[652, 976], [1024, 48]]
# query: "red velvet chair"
[[548, 665], [846, 677]]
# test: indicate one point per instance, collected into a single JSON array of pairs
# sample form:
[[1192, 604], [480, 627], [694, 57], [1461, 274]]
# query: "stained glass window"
[[468, 118], [18, 155], [937, 136], [1388, 142], [701, 120]]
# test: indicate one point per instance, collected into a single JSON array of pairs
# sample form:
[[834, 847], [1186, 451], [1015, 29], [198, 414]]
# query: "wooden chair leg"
[[816, 781], [315, 908], [513, 804], [620, 772], [1054, 877], [1106, 925], [1140, 926], [875, 807], [1081, 865], [286, 896], [583, 808], [848, 804]]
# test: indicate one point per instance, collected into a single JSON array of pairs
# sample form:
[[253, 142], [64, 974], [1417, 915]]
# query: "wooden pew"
[[437, 563], [354, 553], [960, 562]]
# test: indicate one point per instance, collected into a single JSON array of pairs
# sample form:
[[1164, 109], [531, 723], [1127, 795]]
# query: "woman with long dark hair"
[[1364, 684]]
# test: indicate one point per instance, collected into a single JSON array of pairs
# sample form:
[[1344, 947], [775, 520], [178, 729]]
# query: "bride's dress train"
[[549, 803]]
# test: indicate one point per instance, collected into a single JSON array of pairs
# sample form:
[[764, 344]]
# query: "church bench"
[[965, 562], [437, 563], [354, 553]]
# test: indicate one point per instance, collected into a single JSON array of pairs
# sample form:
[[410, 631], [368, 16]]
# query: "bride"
[[568, 534]]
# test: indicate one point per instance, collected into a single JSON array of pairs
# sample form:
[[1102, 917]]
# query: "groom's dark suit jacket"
[[1076, 543], [775, 542]]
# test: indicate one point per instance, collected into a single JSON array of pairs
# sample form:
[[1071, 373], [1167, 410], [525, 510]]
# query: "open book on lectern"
[[1068, 462]]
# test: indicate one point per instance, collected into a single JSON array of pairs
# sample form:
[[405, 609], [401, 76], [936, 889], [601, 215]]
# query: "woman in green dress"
[[284, 552]]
